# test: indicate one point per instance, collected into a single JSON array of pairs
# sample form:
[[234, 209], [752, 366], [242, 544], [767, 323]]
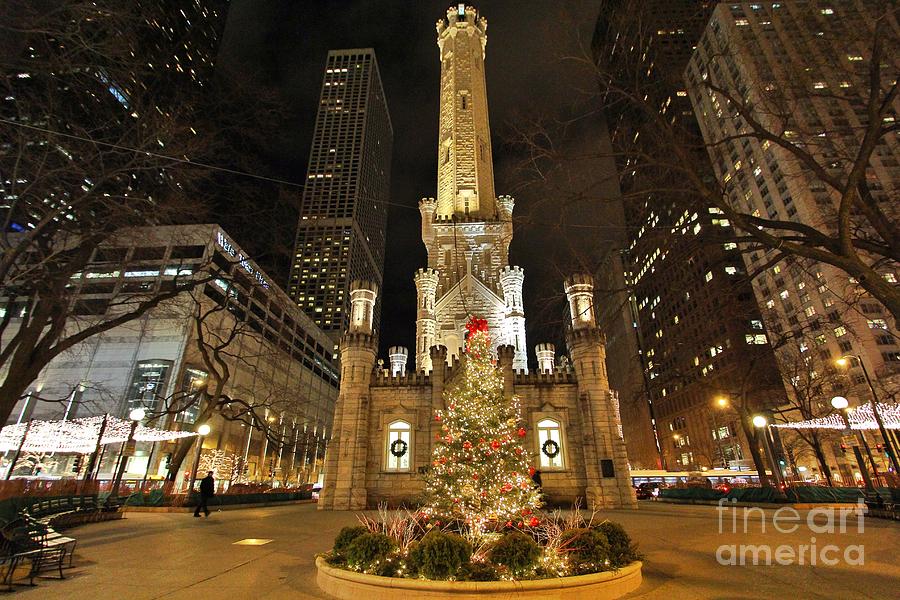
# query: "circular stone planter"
[[349, 585]]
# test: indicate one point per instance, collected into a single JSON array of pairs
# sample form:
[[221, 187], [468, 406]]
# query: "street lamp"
[[762, 423], [840, 404], [844, 361], [202, 432], [136, 415]]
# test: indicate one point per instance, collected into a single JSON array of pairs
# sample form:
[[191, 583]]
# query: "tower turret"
[[511, 280], [505, 205], [362, 306], [580, 292], [546, 357], [426, 325], [427, 206], [398, 356]]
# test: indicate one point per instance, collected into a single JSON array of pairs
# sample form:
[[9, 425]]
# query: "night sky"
[[282, 44]]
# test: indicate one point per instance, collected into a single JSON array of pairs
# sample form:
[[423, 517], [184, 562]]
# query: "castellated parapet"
[[454, 19]]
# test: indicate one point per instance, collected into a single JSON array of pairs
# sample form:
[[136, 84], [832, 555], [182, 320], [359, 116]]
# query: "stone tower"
[[345, 486], [608, 477], [466, 229]]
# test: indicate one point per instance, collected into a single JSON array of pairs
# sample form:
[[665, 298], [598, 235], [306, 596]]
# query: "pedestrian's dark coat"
[[208, 486]]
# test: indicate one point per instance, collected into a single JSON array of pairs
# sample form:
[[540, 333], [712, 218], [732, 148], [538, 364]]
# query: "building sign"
[[233, 252]]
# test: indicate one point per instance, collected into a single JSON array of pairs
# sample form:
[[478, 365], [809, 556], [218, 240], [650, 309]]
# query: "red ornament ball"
[[531, 471], [518, 451], [467, 444], [509, 523], [495, 444], [521, 432], [437, 417], [534, 522]]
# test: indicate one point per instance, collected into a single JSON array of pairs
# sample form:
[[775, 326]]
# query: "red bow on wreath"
[[475, 325]]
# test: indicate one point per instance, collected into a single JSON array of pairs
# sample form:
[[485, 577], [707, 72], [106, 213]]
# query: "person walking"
[[207, 491]]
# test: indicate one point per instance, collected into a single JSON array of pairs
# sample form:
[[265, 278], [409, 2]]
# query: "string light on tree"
[[480, 472]]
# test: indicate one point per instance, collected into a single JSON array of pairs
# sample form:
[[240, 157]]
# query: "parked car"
[[648, 490]]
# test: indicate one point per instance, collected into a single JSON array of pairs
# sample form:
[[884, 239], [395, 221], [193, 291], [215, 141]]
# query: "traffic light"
[[843, 448], [168, 460], [76, 464], [879, 448]]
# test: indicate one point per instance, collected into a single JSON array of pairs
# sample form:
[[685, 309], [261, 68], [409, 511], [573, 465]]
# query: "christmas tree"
[[480, 471]]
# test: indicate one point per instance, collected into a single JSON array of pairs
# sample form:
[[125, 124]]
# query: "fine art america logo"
[[734, 520]]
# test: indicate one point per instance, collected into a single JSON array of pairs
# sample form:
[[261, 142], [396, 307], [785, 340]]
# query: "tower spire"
[[465, 166]]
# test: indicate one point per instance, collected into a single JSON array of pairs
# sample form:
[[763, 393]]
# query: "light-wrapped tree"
[[480, 472]]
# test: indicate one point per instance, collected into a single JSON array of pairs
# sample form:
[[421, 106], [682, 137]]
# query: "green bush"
[[621, 549], [477, 572], [439, 555], [589, 550], [368, 550], [517, 552], [345, 537]]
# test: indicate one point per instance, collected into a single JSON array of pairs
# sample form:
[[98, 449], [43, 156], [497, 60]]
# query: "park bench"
[[25, 540]]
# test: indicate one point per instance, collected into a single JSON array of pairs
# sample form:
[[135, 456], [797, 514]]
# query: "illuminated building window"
[[398, 446], [550, 443]]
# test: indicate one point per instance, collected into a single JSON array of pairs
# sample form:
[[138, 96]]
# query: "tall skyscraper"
[[466, 230], [692, 306], [814, 58], [157, 75], [343, 213]]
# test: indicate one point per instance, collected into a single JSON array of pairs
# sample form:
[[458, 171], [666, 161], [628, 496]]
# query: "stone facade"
[[384, 420], [574, 395]]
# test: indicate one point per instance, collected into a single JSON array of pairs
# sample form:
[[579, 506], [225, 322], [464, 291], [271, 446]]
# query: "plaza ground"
[[173, 556]]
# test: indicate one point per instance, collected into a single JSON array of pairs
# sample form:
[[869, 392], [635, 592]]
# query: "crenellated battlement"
[[457, 19], [358, 340], [560, 376], [384, 378], [587, 335]]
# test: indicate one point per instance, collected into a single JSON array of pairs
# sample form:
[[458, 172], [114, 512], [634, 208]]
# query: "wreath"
[[550, 448], [399, 448]]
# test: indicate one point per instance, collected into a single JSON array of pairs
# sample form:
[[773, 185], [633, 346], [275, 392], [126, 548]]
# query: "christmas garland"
[[550, 448], [399, 448]]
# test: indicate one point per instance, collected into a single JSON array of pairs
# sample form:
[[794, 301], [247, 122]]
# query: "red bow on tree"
[[475, 325]]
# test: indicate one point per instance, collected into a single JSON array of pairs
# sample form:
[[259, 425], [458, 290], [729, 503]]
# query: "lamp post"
[[895, 461], [202, 432], [762, 424], [136, 415], [841, 404]]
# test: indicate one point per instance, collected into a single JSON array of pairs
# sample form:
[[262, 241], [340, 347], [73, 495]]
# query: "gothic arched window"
[[398, 446], [550, 443]]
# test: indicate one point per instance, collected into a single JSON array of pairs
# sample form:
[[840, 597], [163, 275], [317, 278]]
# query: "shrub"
[[517, 552], [439, 555], [477, 572], [368, 550], [621, 549], [588, 548], [345, 537]]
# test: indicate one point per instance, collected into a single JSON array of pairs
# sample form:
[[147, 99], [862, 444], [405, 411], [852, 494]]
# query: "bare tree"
[[96, 139], [245, 372]]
